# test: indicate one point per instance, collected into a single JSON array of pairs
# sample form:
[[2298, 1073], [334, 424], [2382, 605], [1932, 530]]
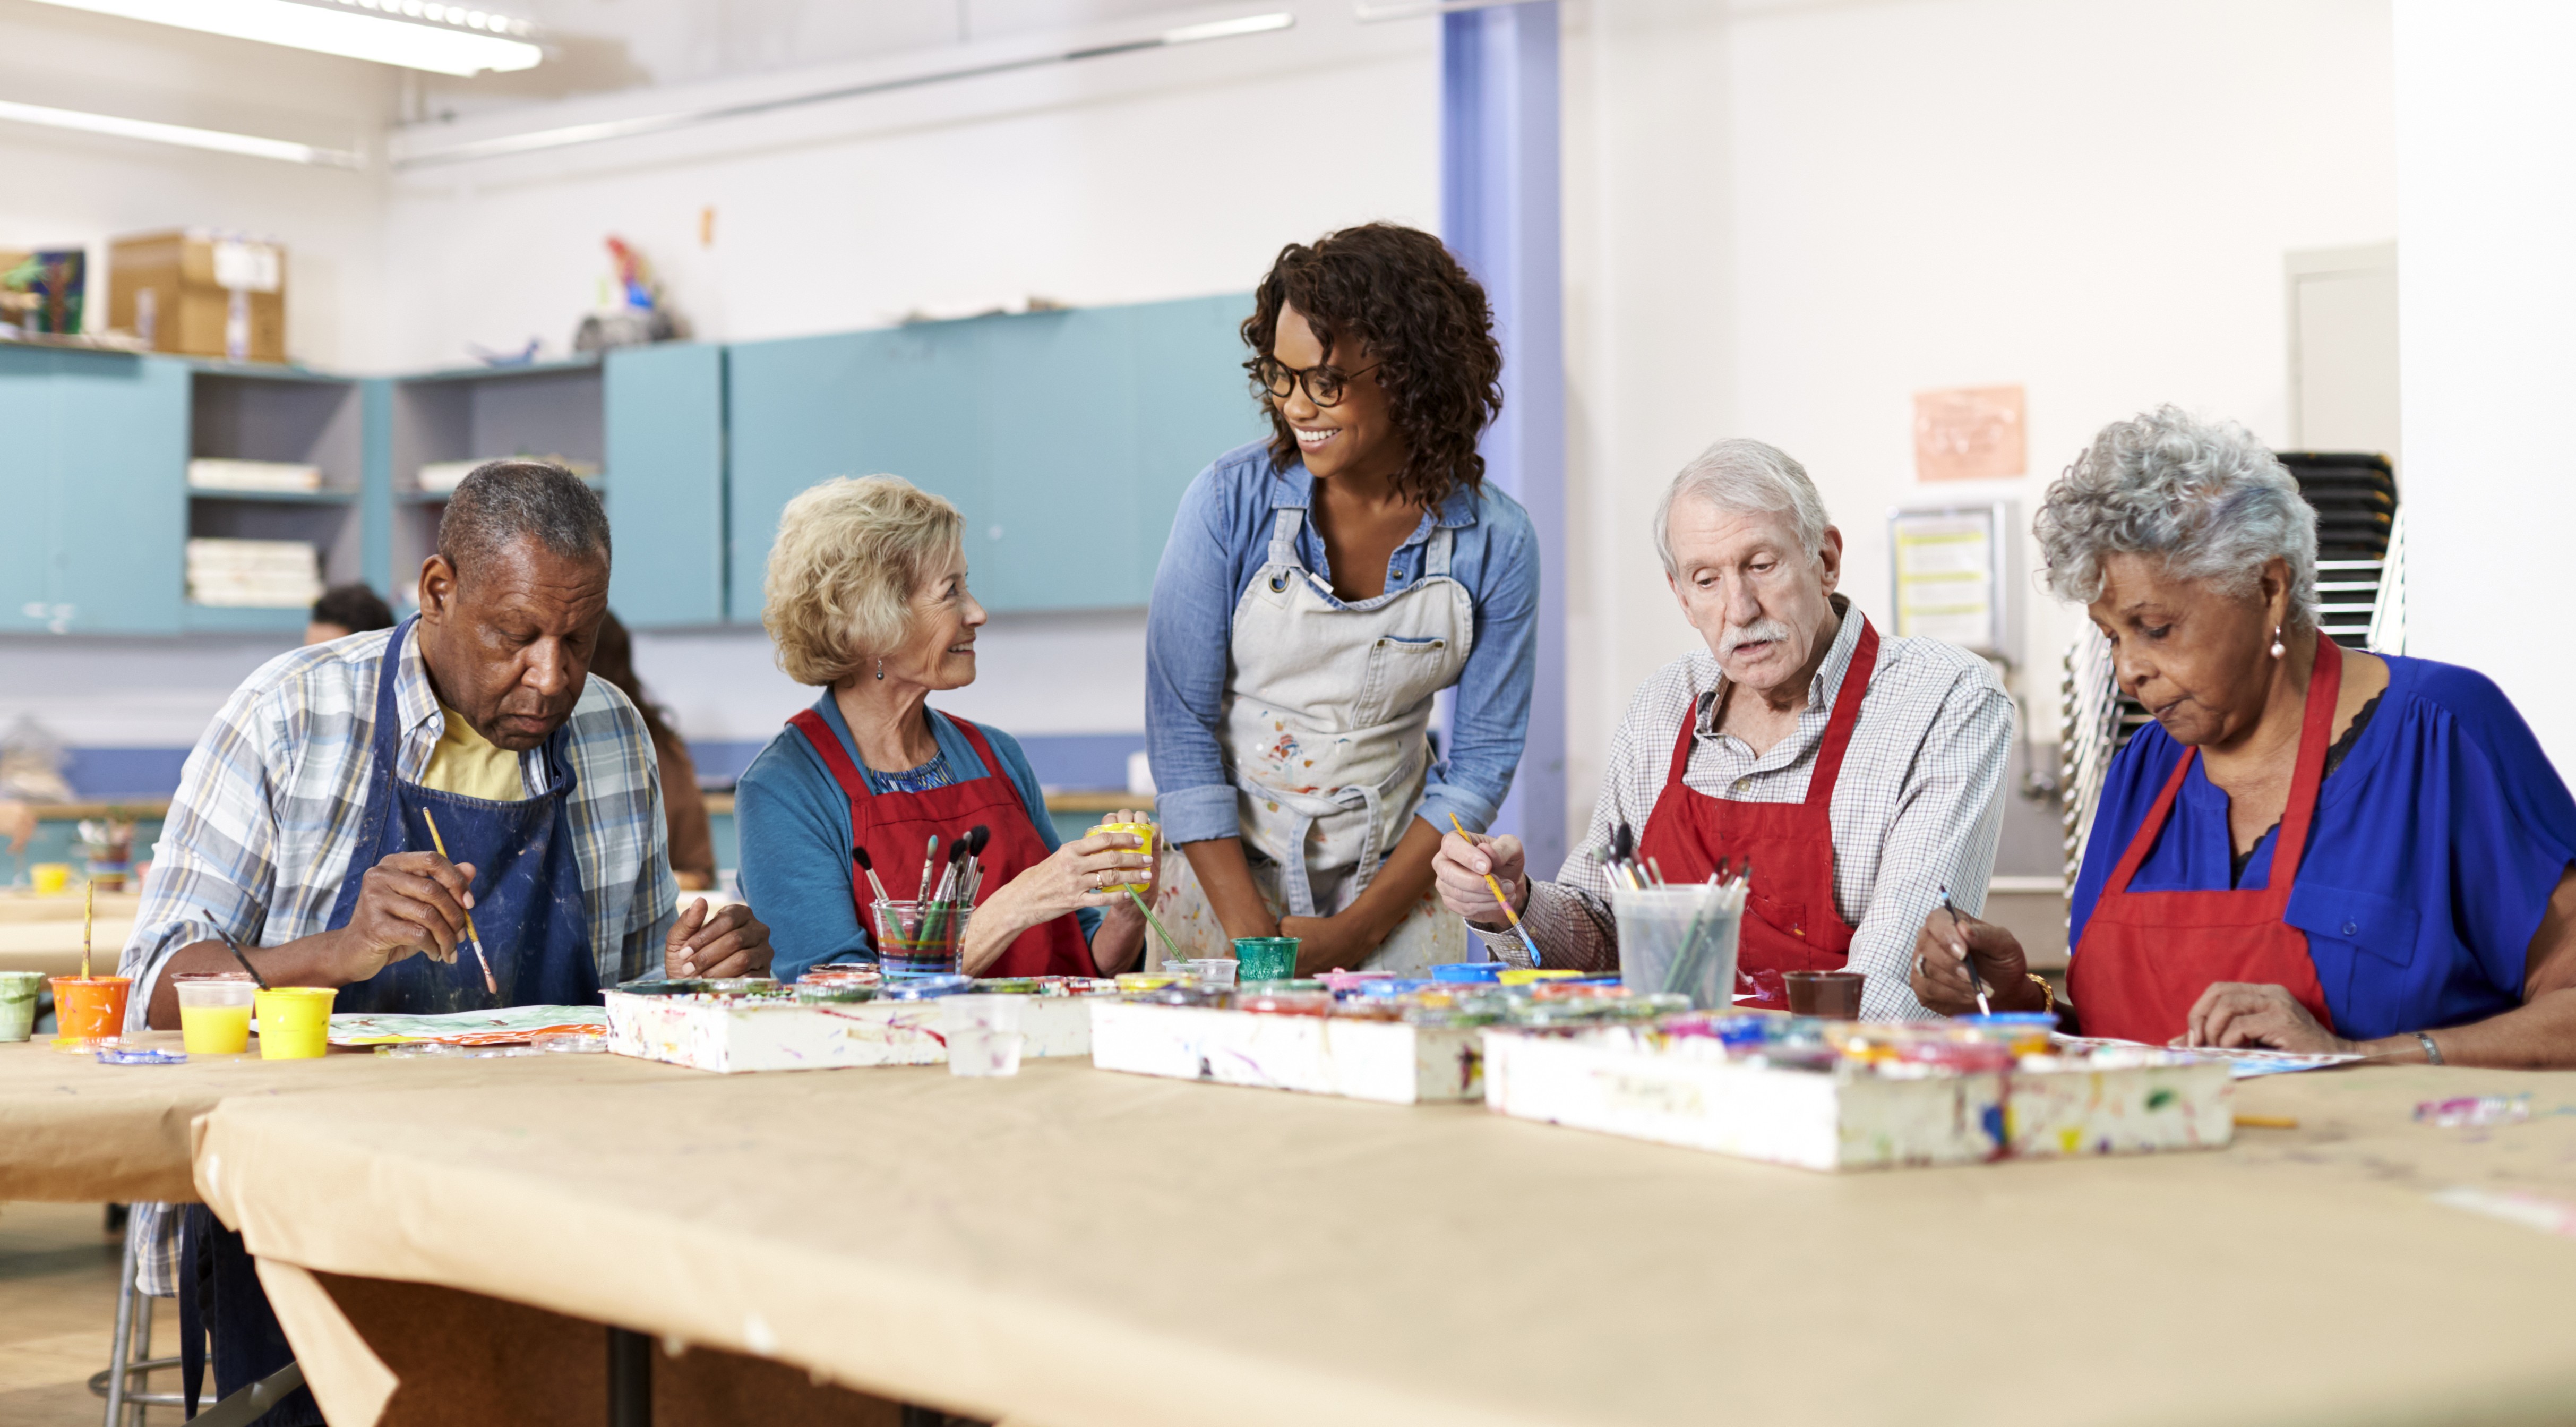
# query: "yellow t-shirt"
[[470, 765]]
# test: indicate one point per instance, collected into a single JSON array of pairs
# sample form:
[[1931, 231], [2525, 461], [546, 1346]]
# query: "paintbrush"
[[978, 838], [1500, 900], [1967, 962], [472, 936], [1169, 946], [859, 855], [929, 864], [235, 948], [89, 904]]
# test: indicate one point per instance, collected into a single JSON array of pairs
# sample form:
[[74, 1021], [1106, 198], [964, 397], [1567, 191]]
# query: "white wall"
[[1795, 215], [2486, 144]]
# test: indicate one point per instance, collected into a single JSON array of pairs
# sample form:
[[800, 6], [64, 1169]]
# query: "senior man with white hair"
[[1857, 773]]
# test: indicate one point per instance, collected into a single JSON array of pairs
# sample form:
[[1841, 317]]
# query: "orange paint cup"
[[294, 1022], [89, 1008]]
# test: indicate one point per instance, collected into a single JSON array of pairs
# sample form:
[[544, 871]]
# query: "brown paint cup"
[[1832, 995]]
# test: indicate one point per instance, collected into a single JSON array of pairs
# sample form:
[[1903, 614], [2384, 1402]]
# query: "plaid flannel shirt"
[[1919, 802], [266, 819]]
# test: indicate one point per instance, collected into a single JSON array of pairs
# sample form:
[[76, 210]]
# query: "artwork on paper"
[[508, 1025], [1970, 433], [2246, 1061]]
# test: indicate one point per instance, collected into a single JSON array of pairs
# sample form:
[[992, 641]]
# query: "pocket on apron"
[[1401, 673]]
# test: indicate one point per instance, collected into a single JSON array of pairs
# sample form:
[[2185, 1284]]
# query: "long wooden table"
[[1074, 1247]]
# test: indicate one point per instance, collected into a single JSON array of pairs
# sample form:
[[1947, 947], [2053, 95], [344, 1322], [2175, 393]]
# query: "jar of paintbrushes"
[[917, 938]]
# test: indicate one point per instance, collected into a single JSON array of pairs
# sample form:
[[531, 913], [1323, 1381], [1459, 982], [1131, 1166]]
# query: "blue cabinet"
[[1066, 438], [665, 434], [93, 508]]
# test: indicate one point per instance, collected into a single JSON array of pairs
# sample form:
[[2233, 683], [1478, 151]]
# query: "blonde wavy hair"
[[850, 554]]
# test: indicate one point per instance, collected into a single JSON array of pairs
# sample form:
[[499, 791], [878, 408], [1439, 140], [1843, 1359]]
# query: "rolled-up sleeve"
[[1490, 722], [1188, 638]]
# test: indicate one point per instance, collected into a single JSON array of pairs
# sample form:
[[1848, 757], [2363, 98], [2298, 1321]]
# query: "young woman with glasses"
[[1318, 590]]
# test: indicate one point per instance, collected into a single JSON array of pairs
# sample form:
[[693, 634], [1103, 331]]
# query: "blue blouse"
[[2434, 851], [1220, 537], [794, 823]]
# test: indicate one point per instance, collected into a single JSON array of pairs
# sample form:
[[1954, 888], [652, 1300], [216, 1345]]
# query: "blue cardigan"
[[794, 825]]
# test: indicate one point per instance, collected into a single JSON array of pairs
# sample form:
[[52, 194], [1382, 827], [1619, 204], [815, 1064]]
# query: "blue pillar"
[[1499, 214]]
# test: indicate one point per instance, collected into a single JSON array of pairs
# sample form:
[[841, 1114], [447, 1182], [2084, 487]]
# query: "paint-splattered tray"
[[1323, 1055], [726, 1034], [1853, 1118]]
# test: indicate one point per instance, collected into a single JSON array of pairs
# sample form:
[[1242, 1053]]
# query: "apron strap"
[[1435, 555], [2148, 828], [983, 750], [827, 745], [1682, 743], [2325, 685], [1838, 729]]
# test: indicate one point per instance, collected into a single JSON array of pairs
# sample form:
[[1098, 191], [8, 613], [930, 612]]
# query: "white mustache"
[[1760, 630]]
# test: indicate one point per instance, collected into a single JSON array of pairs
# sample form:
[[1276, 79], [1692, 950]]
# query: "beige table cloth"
[[1078, 1248]]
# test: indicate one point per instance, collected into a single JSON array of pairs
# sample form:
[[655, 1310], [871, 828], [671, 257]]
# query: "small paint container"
[[110, 1053], [18, 992], [294, 1021], [51, 879], [2023, 1032], [89, 1008], [1486, 971], [1214, 970], [1265, 958], [1531, 976], [1276, 999], [1829, 995], [584, 1042], [925, 988], [1134, 981], [983, 1034], [832, 994], [214, 1012], [1142, 831]]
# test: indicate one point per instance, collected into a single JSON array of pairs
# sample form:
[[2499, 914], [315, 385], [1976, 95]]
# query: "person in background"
[[1857, 773], [301, 825], [1319, 588], [344, 610], [693, 842], [866, 599], [2311, 848]]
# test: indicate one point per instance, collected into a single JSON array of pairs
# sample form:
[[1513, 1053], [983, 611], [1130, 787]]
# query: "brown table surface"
[[1074, 1247], [74, 1130]]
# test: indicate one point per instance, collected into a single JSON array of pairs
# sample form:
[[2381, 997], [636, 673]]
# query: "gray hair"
[[2204, 495], [1741, 475], [502, 501]]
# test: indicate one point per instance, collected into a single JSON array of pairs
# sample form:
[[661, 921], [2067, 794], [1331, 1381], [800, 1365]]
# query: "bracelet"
[[2048, 992], [2432, 1052]]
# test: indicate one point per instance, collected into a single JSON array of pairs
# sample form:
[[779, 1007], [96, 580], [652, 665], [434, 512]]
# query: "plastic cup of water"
[[983, 1034], [18, 992], [1679, 939]]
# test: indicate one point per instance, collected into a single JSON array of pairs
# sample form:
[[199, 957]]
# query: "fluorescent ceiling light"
[[447, 39], [659, 123], [181, 134]]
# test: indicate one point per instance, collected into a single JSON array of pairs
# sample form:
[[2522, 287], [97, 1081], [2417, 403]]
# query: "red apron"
[[896, 827], [1790, 921], [2147, 956]]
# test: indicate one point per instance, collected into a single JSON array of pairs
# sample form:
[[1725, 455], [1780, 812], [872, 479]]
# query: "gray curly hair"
[[2205, 495]]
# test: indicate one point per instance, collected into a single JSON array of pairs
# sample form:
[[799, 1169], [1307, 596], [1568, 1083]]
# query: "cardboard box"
[[1322, 1055], [200, 294]]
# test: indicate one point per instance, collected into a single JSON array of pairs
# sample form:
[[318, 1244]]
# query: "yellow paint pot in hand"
[[294, 1022], [1144, 831]]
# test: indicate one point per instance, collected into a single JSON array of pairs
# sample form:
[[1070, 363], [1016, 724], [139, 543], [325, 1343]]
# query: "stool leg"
[[138, 1349], [630, 1378], [118, 1353]]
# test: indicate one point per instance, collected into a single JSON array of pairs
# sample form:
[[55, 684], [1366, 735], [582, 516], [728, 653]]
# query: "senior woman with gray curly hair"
[[866, 598], [2312, 849]]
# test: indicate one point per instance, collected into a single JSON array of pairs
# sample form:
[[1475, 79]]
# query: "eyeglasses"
[[1323, 383]]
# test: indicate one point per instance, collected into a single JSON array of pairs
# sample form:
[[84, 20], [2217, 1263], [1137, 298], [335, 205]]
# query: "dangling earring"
[[2277, 650], [2276, 653]]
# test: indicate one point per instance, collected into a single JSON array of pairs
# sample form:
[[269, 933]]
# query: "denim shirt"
[[1220, 538]]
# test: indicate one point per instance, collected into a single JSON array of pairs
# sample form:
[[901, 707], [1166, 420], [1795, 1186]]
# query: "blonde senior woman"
[[866, 599], [2312, 848]]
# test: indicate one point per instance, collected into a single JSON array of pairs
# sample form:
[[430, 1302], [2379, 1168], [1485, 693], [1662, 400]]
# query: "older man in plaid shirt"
[[1857, 774], [308, 823]]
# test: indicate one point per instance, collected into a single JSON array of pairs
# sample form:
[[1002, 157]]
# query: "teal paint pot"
[[1265, 958]]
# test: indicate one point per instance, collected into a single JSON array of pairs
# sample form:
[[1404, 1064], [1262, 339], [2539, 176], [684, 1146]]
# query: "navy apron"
[[534, 918]]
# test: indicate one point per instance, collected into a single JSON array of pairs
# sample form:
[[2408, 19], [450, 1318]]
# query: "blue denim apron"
[[529, 907]]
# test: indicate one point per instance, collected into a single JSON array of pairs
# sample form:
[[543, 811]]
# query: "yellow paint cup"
[[1141, 830], [51, 879], [214, 1013], [294, 1022]]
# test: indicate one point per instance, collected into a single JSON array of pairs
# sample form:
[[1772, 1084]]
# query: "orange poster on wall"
[[1969, 433]]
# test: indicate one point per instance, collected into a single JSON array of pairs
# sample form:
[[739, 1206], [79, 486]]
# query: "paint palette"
[[765, 1026], [1386, 1060], [1857, 1096]]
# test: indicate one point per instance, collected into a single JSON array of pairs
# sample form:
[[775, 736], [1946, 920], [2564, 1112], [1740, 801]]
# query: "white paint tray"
[[729, 1034], [1323, 1055]]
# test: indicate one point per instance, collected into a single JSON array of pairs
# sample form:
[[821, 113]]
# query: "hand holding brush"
[[1962, 963]]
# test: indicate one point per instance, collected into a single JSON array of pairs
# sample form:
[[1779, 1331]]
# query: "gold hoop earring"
[[2277, 650]]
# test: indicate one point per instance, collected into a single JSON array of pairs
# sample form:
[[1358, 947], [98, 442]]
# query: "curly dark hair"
[[1426, 324]]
